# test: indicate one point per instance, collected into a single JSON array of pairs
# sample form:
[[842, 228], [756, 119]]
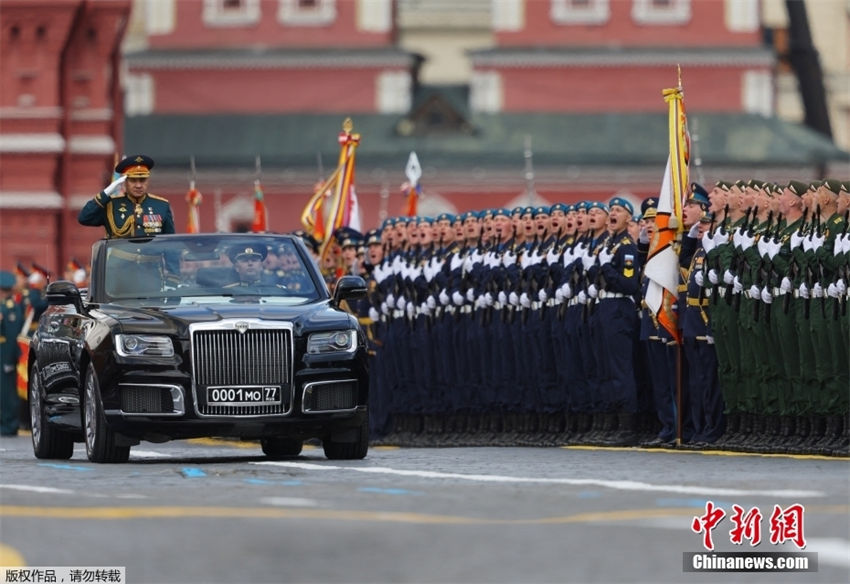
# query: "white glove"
[[509, 259], [373, 314], [841, 287], [693, 232], [766, 296], [832, 291], [568, 291], [411, 309], [605, 257], [425, 309], [582, 297], [385, 308], [390, 299], [542, 296], [114, 188], [431, 302], [457, 298], [807, 243], [470, 295], [754, 292], [400, 303], [569, 257], [643, 236], [746, 241], [817, 241], [796, 239], [804, 290], [737, 287], [845, 247], [559, 295], [699, 278], [592, 291], [708, 242], [587, 260], [817, 290], [712, 276], [444, 298], [551, 257], [762, 245], [524, 300], [785, 284], [728, 277], [503, 298], [513, 298], [773, 248], [488, 299]]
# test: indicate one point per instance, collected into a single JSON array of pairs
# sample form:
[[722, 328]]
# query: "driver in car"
[[248, 262]]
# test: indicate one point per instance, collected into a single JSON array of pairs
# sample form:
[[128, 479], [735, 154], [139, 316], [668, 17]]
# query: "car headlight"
[[143, 346], [332, 342]]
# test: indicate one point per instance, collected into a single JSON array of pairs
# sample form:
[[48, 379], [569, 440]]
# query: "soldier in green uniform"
[[11, 317], [131, 211]]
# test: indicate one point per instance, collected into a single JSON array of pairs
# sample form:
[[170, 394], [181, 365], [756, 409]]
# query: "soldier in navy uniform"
[[131, 211], [11, 317]]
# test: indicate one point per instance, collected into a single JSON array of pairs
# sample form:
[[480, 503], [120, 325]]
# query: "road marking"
[[65, 466], [38, 489], [289, 502], [616, 485], [389, 491], [134, 454], [191, 473]]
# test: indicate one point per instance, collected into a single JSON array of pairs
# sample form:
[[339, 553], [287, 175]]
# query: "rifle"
[[737, 261], [841, 300], [815, 226], [760, 271], [794, 266], [705, 263], [724, 228]]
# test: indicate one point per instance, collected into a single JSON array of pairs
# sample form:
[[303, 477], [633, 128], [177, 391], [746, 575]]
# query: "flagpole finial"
[[347, 125], [679, 75]]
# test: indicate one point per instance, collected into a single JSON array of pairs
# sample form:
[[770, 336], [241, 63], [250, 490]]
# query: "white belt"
[[535, 305], [572, 301], [466, 309], [603, 294], [550, 302], [449, 309], [398, 313]]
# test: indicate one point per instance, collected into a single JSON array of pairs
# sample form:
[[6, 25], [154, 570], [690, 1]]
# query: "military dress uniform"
[[11, 319], [123, 216]]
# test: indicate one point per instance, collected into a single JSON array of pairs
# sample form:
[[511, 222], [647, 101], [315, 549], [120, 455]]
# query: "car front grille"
[[237, 356], [329, 396], [146, 400]]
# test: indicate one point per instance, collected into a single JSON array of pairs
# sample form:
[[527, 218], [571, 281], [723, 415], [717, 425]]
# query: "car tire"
[[100, 440], [47, 442], [279, 447], [348, 450]]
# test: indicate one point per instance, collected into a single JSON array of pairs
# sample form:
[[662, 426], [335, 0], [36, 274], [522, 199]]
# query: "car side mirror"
[[63, 292], [349, 287]]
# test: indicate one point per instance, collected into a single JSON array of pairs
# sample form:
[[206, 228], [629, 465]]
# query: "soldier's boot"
[[786, 432], [796, 443], [733, 421], [740, 432], [775, 442], [626, 433], [831, 432], [842, 447], [610, 430], [817, 428]]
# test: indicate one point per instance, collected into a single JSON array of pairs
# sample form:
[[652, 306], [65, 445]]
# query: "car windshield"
[[208, 268]]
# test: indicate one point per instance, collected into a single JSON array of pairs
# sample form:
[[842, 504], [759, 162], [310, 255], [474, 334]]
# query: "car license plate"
[[252, 394]]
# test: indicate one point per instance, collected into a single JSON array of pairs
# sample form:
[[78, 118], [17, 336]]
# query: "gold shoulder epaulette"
[[157, 197]]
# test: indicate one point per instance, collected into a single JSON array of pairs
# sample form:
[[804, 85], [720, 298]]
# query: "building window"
[[231, 12], [393, 92], [307, 12], [661, 11], [486, 92], [580, 11]]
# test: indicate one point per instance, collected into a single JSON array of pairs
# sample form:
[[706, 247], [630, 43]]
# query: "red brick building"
[[228, 82]]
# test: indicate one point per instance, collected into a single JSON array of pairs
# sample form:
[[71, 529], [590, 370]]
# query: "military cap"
[[244, 251], [501, 213], [470, 215], [650, 213], [741, 184], [597, 205], [373, 237], [815, 185], [7, 280], [845, 186], [527, 211], [445, 217], [136, 166], [622, 202], [21, 270], [559, 207], [722, 184], [755, 183], [486, 213], [698, 195], [797, 187], [311, 242], [648, 203], [540, 210], [388, 222], [517, 210], [347, 237], [38, 275], [707, 218], [833, 185]]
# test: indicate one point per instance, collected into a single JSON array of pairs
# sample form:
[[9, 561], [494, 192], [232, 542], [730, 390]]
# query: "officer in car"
[[125, 208]]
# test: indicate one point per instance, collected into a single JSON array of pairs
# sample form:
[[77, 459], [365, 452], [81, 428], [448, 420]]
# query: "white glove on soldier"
[[114, 188]]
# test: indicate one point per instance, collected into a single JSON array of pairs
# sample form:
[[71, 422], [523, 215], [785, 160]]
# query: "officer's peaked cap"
[[136, 166]]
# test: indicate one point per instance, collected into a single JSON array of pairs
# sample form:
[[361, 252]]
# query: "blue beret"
[[445, 217], [373, 236], [7, 280], [624, 203], [428, 220], [501, 213], [542, 210], [596, 205], [559, 207], [517, 210]]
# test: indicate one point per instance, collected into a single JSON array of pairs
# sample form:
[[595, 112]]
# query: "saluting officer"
[[125, 208]]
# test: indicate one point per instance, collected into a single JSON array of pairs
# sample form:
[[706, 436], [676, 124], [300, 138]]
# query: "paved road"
[[215, 511]]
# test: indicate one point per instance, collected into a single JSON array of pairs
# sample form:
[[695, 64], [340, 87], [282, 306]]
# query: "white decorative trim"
[[742, 15], [139, 94], [568, 12], [757, 90], [30, 200], [159, 16], [508, 15], [486, 92], [21, 143], [291, 12], [374, 15], [101, 114], [30, 113], [331, 59], [216, 14], [91, 144], [392, 92], [646, 12], [594, 58]]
